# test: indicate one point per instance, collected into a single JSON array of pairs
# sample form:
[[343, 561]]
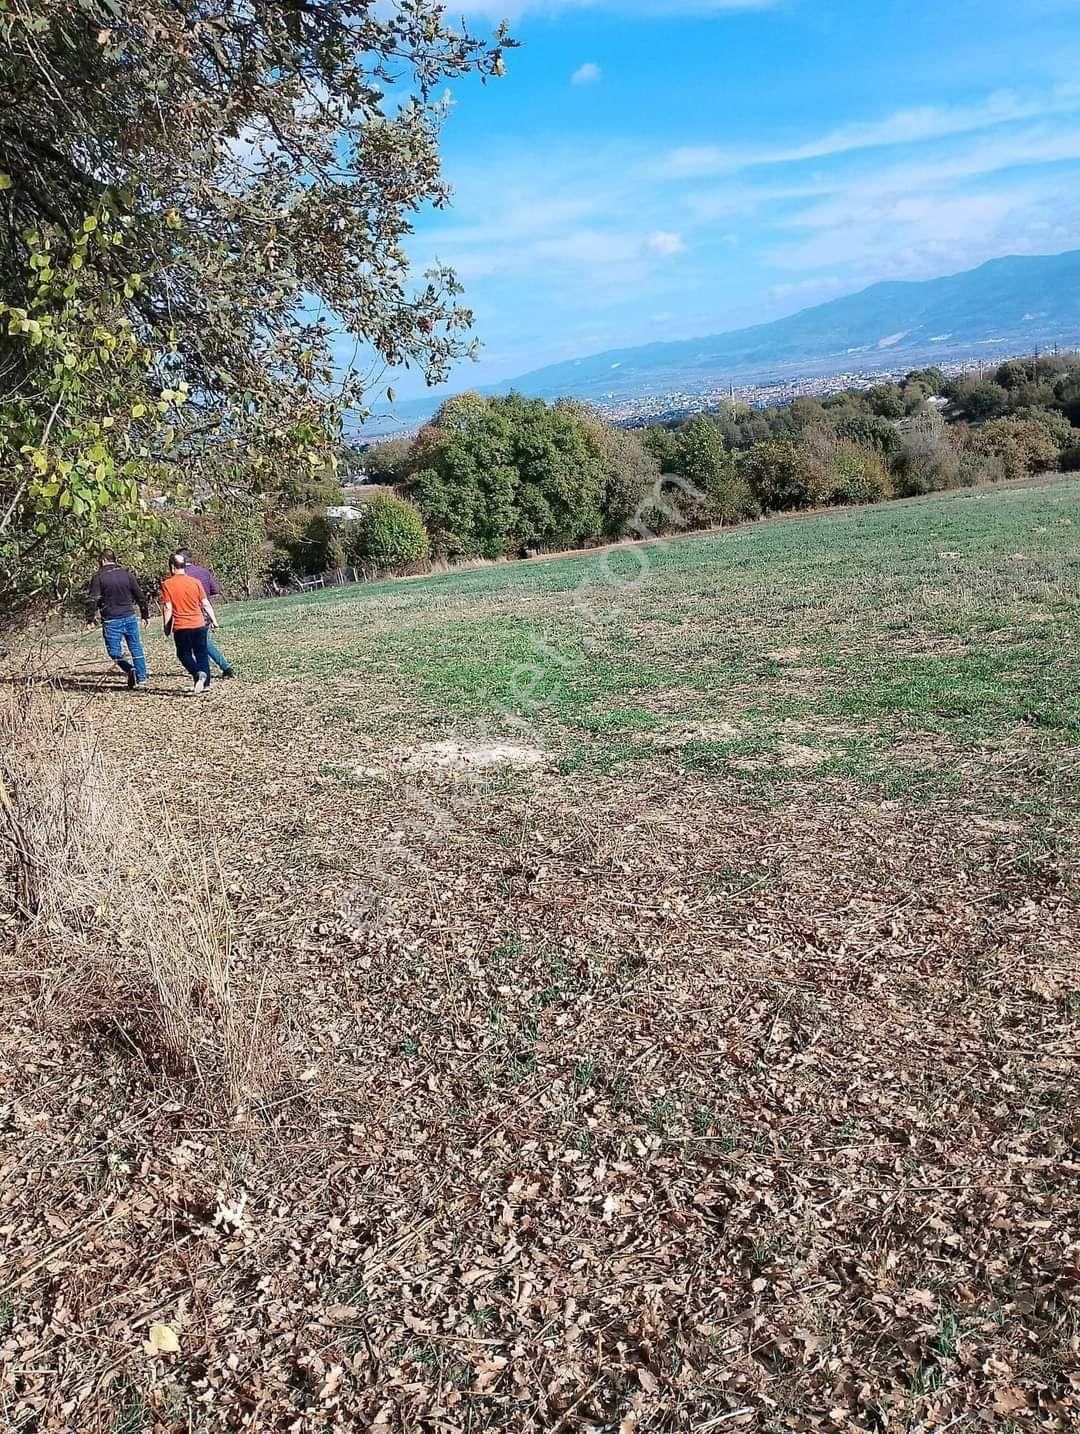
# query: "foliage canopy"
[[219, 196], [492, 475]]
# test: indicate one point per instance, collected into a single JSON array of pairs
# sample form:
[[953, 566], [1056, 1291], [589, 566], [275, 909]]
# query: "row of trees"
[[490, 477], [249, 544], [924, 434], [495, 476]]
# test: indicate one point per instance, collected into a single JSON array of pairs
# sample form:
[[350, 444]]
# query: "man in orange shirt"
[[187, 614]]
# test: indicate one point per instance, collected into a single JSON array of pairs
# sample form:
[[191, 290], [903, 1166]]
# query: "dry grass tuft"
[[118, 915]]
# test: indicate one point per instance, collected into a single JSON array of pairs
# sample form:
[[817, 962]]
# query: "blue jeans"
[[117, 631], [215, 654], [191, 650]]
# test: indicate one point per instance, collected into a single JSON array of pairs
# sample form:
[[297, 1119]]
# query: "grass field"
[[669, 962], [902, 648]]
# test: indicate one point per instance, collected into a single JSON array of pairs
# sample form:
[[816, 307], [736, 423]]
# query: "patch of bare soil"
[[603, 1106], [718, 731], [790, 755], [458, 756]]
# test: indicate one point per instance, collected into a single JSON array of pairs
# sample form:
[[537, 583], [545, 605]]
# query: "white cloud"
[[914, 126], [663, 243], [916, 234], [586, 74]]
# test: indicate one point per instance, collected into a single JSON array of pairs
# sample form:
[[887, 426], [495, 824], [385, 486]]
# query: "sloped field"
[[646, 997]]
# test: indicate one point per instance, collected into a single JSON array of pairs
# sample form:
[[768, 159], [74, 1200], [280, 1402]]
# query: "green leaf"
[[89, 224]]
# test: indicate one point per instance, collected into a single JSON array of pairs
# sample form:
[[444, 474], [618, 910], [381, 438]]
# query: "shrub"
[[859, 475], [96, 869], [927, 462], [305, 542], [1021, 445], [385, 462], [783, 474], [976, 468], [1055, 423], [390, 532]]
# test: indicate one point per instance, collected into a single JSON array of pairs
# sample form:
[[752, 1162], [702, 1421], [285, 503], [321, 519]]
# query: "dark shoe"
[[228, 672], [131, 681]]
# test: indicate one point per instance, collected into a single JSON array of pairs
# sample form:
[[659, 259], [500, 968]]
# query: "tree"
[[704, 461], [86, 409], [631, 472], [492, 475], [985, 400], [276, 178], [1020, 445], [782, 474], [260, 185], [885, 400], [931, 380], [1067, 397], [870, 432], [389, 532], [741, 426], [662, 441], [386, 462]]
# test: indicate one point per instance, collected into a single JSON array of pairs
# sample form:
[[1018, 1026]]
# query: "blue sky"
[[656, 169]]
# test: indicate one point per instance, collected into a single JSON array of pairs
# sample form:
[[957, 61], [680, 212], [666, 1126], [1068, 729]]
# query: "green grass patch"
[[951, 617]]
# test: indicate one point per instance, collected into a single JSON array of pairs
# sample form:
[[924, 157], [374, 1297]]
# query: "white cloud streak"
[[586, 74], [664, 243], [904, 127]]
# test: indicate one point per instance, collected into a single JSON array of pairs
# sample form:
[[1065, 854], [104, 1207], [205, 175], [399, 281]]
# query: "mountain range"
[[1004, 306]]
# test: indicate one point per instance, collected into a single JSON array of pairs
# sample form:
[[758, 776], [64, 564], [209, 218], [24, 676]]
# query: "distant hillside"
[[1003, 304]]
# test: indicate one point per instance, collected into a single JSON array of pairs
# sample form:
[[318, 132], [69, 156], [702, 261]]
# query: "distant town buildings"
[[661, 408], [676, 404]]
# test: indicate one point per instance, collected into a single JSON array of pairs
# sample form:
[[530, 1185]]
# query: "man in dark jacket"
[[113, 599], [213, 590]]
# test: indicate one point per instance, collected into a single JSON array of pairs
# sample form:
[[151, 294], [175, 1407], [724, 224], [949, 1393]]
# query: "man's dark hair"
[[179, 557], [107, 555], [176, 562]]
